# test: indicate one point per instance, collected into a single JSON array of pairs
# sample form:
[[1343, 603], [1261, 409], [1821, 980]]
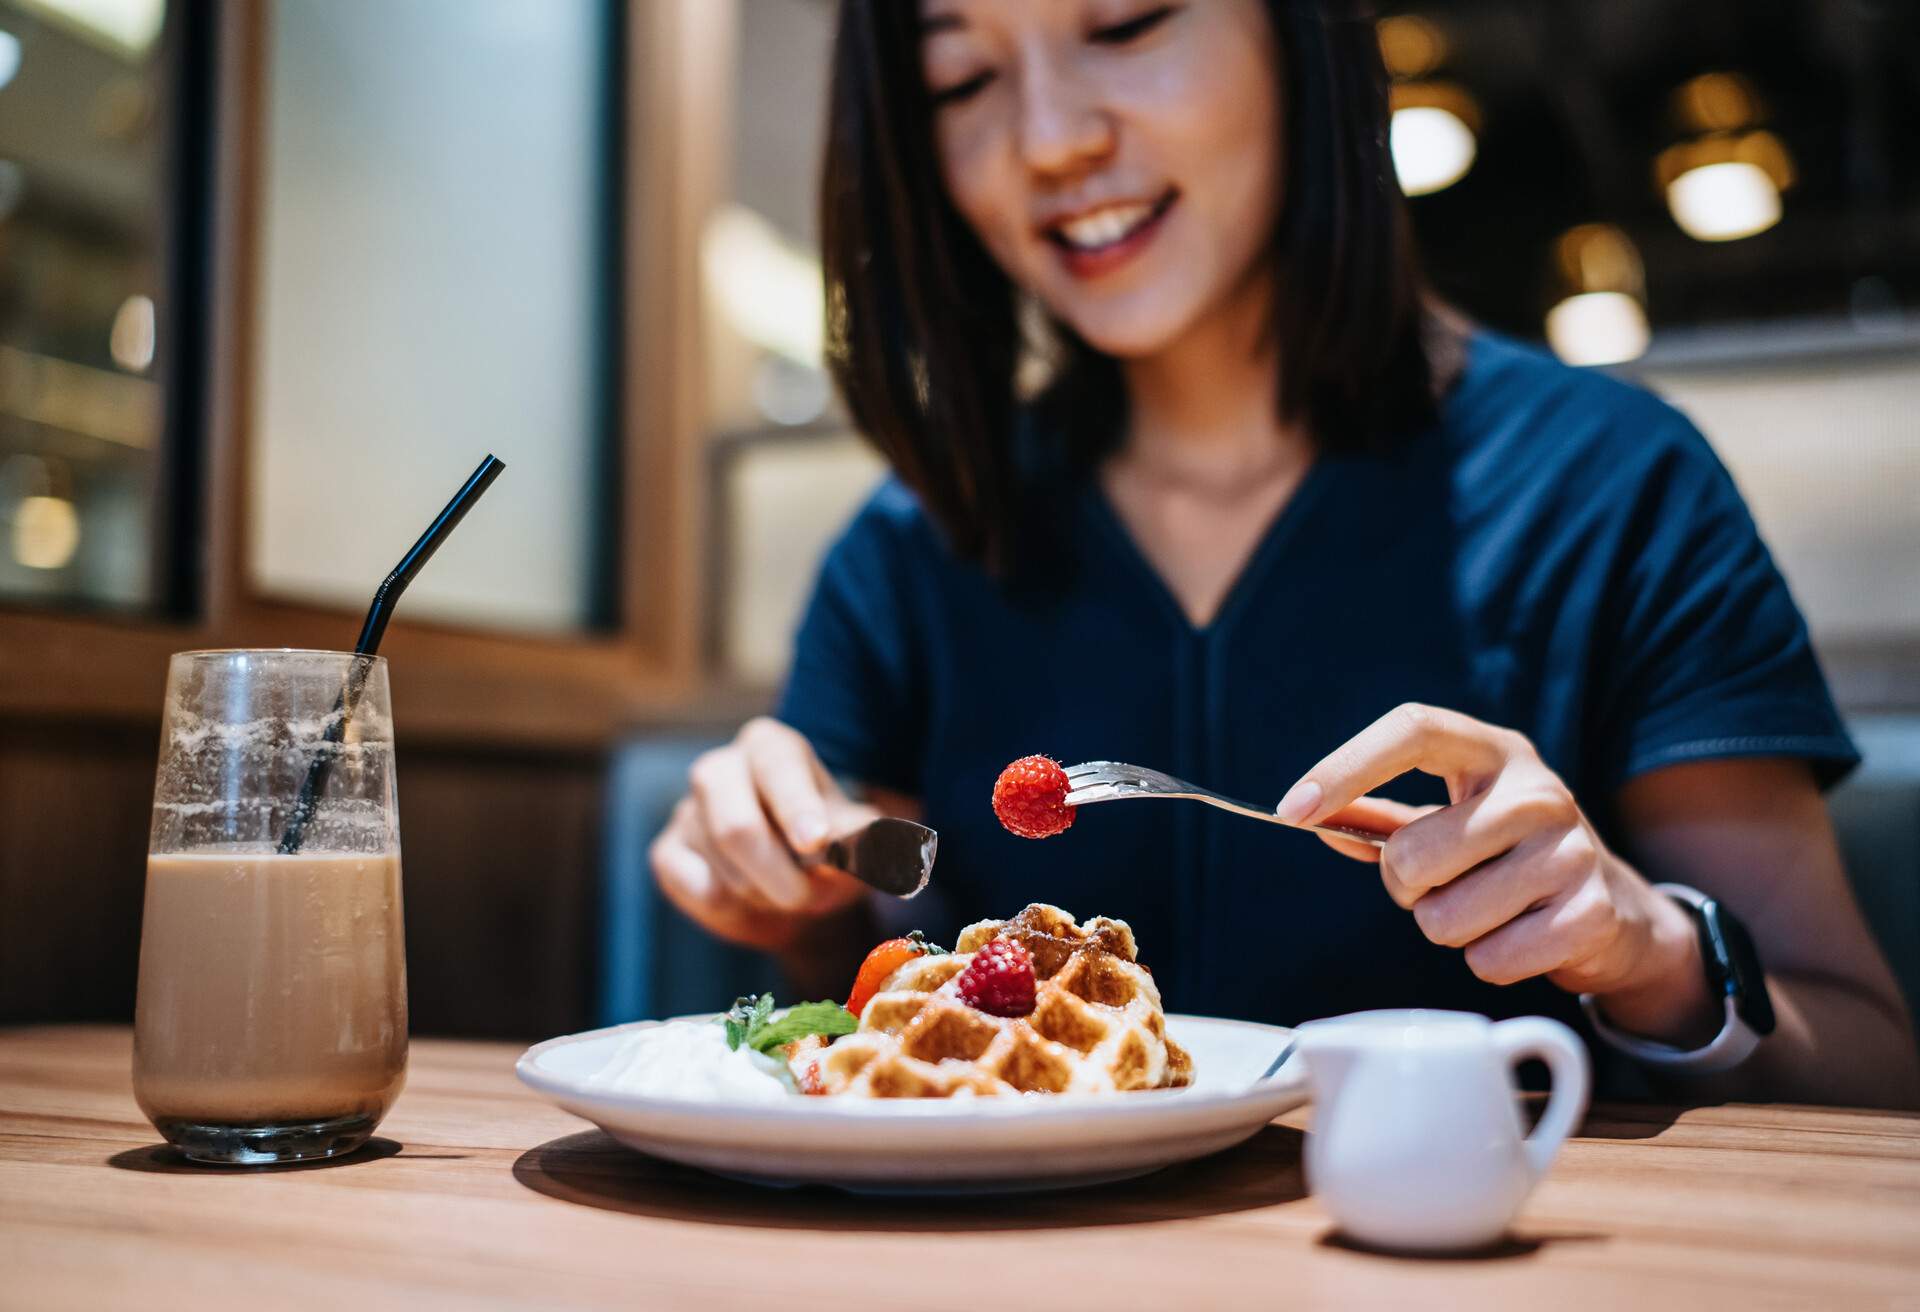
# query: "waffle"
[[1097, 1025]]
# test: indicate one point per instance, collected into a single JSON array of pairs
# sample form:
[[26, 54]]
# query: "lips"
[[1099, 239]]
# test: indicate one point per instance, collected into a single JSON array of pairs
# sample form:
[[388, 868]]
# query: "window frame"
[[457, 684]]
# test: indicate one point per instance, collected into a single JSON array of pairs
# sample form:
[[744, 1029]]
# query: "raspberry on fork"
[[999, 980], [1030, 797]]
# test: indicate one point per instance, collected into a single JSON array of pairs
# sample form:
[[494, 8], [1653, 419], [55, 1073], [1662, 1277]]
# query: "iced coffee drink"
[[271, 1021], [272, 991]]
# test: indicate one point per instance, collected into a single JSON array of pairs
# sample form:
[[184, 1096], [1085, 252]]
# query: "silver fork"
[[1114, 781]]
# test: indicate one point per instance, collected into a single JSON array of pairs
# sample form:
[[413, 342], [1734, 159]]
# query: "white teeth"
[[1104, 227]]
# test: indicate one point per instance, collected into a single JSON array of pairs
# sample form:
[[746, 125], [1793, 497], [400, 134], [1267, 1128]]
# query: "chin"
[[1128, 332]]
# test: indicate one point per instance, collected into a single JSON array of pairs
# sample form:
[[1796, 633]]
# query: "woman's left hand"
[[1511, 870]]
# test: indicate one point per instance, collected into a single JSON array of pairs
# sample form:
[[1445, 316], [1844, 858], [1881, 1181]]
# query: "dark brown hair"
[[923, 330]]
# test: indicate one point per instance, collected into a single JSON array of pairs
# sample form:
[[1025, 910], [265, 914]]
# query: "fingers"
[[732, 854], [829, 889], [1567, 930], [697, 881], [1433, 849], [1352, 848], [788, 778], [707, 887], [691, 867], [1377, 814], [1456, 747], [741, 833], [683, 872], [1380, 814], [1369, 813], [1510, 872], [1476, 904]]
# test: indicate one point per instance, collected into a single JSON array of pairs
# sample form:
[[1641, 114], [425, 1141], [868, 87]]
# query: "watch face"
[[1735, 965]]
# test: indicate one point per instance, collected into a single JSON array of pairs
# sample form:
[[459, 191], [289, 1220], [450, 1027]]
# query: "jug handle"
[[1566, 1058]]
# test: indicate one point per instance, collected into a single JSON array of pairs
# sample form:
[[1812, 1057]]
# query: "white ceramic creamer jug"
[[1417, 1142]]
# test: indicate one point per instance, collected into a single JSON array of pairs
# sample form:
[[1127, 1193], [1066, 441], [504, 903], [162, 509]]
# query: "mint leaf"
[[829, 1019], [741, 1018], [928, 949], [750, 1021]]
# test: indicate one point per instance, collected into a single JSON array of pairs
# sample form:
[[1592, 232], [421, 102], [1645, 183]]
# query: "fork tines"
[[1102, 781]]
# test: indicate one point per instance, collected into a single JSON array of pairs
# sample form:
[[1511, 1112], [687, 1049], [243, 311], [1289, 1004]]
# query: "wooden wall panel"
[[74, 805], [501, 860]]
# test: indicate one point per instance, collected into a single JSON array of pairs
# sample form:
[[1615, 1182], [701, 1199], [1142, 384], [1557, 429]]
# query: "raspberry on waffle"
[[1096, 1024]]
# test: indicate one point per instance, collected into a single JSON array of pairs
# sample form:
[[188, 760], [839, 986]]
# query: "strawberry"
[[882, 962], [803, 1059], [999, 979], [1030, 797]]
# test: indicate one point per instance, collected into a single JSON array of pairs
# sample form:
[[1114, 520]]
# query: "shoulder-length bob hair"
[[924, 330]]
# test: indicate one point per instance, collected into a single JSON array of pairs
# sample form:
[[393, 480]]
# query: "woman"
[[1266, 501]]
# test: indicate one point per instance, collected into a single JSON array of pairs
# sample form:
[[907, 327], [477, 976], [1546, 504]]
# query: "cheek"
[[981, 186], [1213, 118], [1244, 161]]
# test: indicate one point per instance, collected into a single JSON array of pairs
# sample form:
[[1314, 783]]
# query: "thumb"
[[1380, 815]]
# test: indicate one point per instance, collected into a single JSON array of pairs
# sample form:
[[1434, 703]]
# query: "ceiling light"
[[1432, 137], [46, 532], [768, 289], [1602, 318], [131, 339], [129, 26], [9, 57], [1595, 328], [1725, 201], [1599, 257], [1717, 102], [1725, 182], [1410, 45]]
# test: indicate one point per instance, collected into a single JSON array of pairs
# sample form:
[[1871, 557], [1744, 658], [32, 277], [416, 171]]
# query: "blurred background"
[[274, 273]]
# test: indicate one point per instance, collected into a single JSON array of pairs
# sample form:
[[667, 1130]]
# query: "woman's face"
[[1119, 158]]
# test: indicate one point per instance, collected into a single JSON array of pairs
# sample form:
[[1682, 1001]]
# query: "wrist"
[[1667, 999], [820, 952]]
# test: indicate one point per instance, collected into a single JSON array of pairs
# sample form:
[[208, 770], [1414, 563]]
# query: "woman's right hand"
[[727, 857]]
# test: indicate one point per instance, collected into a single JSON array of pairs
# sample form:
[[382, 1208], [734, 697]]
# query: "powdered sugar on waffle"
[[1097, 1025]]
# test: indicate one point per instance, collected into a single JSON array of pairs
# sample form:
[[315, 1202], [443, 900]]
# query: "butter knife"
[[889, 854]]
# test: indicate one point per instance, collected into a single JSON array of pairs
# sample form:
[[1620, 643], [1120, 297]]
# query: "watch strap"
[[1732, 1045]]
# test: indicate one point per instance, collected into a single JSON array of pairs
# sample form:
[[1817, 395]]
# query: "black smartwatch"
[[1733, 973]]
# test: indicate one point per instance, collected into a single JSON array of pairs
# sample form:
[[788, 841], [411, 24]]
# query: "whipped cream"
[[690, 1059]]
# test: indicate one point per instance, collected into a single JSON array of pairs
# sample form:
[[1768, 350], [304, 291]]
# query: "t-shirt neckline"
[[1280, 530]]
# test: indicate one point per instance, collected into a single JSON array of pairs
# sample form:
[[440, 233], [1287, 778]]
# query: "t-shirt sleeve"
[[853, 687], [1705, 654]]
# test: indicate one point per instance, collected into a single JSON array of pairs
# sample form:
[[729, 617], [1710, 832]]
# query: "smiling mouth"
[[1108, 226]]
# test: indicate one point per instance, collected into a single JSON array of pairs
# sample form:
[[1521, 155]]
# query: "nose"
[[1063, 127]]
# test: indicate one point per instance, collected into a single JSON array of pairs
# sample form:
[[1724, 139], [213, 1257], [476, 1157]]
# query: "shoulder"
[[1517, 415], [889, 539], [891, 519]]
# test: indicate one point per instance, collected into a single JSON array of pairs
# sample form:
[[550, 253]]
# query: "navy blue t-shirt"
[[1560, 553]]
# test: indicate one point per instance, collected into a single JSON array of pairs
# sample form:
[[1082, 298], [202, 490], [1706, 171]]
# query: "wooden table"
[[476, 1193]]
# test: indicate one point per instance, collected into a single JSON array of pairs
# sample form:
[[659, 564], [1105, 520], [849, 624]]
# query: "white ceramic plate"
[[986, 1145]]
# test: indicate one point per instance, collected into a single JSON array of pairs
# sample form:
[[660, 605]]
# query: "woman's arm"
[[1756, 834], [731, 857], [823, 954], [1514, 874]]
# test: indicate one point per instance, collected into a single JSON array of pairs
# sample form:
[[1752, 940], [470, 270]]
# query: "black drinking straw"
[[385, 598]]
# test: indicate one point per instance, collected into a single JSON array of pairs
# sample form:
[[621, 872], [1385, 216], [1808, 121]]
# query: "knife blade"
[[892, 855]]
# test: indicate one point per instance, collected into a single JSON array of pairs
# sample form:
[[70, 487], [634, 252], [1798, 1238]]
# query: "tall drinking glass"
[[271, 1022]]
